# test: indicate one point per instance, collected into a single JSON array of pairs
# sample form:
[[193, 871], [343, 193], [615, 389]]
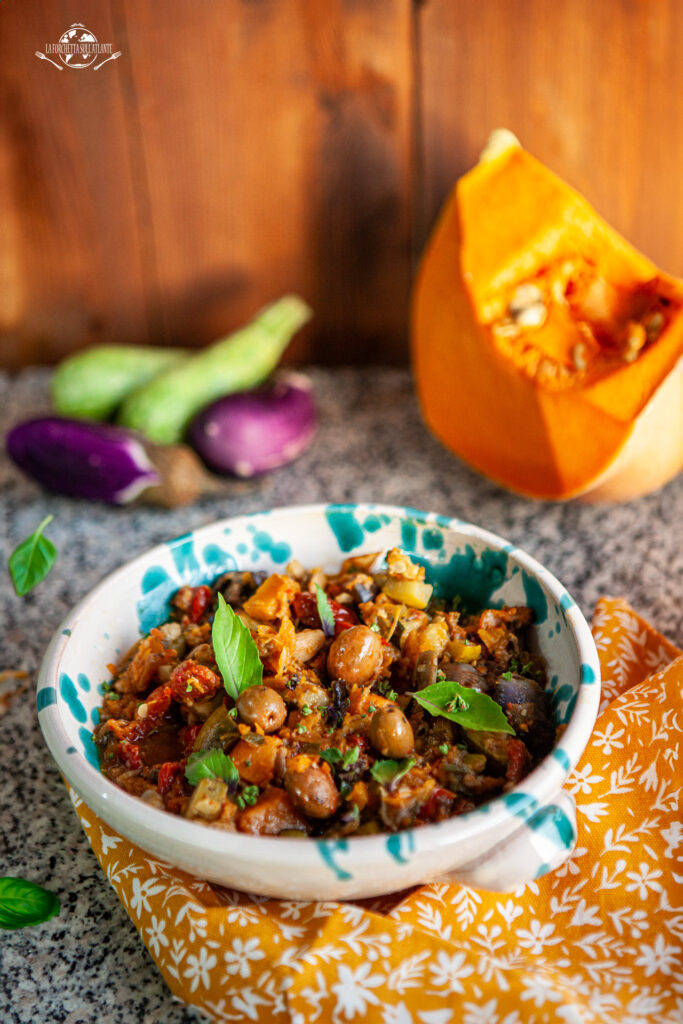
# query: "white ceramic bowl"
[[511, 840]]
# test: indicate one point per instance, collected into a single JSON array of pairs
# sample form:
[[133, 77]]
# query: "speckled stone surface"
[[88, 964]]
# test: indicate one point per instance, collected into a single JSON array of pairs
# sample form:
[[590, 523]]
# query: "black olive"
[[529, 711], [457, 672]]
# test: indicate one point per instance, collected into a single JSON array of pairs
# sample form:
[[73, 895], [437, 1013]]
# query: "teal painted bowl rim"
[[535, 791]]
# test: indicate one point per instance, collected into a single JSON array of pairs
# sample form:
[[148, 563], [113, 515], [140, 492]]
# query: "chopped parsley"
[[250, 795], [384, 687]]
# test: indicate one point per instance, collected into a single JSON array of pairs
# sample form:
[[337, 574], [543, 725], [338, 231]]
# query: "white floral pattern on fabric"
[[599, 941]]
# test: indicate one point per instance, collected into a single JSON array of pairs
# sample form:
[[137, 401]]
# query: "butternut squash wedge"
[[546, 349]]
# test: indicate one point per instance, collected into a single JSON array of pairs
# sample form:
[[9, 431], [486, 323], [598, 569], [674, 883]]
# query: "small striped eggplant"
[[101, 462], [254, 431]]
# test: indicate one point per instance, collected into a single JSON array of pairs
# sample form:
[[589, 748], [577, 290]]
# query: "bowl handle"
[[540, 845]]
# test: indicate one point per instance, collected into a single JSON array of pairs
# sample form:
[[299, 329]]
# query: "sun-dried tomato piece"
[[188, 734], [177, 792], [191, 682], [519, 761], [344, 618], [129, 754], [168, 773], [201, 600], [305, 608], [438, 806], [157, 704]]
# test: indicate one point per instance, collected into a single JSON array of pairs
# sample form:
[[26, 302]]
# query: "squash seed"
[[505, 328], [579, 353], [634, 341], [654, 323], [527, 307]]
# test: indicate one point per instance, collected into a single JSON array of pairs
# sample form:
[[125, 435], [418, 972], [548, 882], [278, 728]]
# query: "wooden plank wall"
[[242, 148]]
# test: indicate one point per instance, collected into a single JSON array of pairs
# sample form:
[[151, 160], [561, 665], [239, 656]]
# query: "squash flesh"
[[519, 408]]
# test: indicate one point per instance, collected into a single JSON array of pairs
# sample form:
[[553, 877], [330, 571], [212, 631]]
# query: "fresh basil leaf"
[[461, 704], [23, 903], [350, 757], [332, 755], [391, 771], [32, 560], [324, 611], [211, 764], [235, 651]]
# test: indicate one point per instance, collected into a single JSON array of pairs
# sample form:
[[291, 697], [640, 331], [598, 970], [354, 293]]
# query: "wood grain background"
[[239, 149]]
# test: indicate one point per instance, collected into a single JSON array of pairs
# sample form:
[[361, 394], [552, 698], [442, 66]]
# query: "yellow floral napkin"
[[600, 940]]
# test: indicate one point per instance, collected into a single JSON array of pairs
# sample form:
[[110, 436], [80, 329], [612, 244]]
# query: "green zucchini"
[[162, 409], [93, 383]]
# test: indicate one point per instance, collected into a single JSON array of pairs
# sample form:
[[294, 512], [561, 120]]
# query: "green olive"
[[355, 656], [313, 791], [391, 733], [262, 706]]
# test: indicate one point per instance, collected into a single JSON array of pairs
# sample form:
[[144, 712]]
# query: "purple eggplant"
[[106, 463], [251, 432]]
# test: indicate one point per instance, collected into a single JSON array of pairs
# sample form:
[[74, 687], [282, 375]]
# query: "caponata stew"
[[308, 704]]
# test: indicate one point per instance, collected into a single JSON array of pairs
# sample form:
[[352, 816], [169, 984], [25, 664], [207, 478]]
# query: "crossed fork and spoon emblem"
[[60, 67]]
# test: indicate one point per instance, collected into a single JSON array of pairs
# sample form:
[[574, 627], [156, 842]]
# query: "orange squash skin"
[[610, 433]]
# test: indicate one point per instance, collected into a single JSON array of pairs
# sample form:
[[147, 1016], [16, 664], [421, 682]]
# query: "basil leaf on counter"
[[324, 611], [461, 704], [391, 771], [23, 903], [235, 651], [210, 764], [32, 560]]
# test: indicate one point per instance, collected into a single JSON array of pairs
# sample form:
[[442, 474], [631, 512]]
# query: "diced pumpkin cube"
[[272, 813], [411, 592], [272, 599], [256, 762], [460, 651]]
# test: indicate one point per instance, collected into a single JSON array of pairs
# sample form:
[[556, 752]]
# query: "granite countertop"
[[88, 964]]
